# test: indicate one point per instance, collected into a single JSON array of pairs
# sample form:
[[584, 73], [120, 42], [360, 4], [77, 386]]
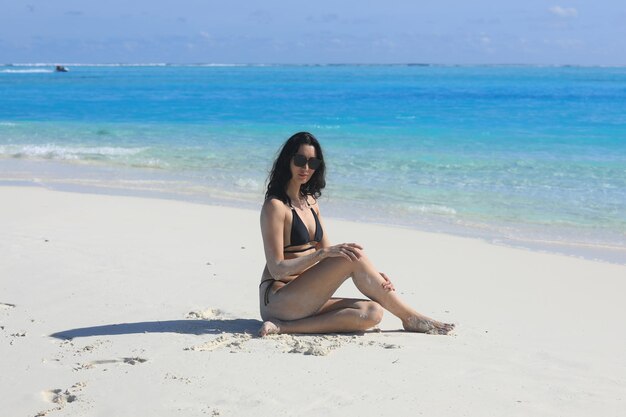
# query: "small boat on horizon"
[[61, 68]]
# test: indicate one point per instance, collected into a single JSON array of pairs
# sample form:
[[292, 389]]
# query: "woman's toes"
[[268, 328]]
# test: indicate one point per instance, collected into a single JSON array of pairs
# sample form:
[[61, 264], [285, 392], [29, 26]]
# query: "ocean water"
[[524, 156]]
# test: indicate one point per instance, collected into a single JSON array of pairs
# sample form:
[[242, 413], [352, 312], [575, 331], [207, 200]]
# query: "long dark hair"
[[281, 171]]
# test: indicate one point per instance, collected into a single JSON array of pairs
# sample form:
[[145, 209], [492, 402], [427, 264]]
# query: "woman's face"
[[303, 174]]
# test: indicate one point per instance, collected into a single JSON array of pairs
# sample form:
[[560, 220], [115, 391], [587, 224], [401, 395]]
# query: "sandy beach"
[[126, 306]]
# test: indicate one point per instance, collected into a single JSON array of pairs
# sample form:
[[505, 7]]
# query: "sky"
[[536, 32]]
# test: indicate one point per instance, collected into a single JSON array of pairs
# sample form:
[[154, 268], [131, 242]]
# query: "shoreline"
[[597, 252]]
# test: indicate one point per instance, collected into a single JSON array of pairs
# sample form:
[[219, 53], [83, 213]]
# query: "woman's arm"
[[272, 227]]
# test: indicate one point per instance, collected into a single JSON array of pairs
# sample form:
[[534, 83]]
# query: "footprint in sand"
[[90, 348], [208, 314], [83, 366], [134, 361], [61, 397], [234, 342], [93, 364], [380, 344], [181, 379], [323, 345], [315, 345]]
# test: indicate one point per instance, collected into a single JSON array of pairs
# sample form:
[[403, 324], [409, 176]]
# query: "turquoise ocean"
[[530, 157]]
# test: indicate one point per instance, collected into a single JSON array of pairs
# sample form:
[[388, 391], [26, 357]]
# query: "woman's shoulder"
[[274, 212], [273, 204]]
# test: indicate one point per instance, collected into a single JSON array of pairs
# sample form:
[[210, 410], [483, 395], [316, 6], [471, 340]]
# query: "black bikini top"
[[300, 234]]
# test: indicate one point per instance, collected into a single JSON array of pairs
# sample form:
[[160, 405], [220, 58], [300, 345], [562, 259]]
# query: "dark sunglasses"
[[301, 161]]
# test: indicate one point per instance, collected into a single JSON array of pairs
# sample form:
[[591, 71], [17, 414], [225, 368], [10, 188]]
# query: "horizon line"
[[330, 64]]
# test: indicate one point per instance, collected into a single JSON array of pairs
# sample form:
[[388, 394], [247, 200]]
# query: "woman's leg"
[[307, 294], [338, 315]]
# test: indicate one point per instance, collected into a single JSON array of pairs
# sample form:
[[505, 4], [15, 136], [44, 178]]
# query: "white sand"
[[160, 298]]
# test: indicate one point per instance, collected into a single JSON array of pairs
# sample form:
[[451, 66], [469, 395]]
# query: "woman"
[[304, 270]]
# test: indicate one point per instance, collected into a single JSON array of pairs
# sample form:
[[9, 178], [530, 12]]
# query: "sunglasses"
[[300, 161]]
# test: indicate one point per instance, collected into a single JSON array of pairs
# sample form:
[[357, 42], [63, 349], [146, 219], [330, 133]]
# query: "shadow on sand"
[[197, 327]]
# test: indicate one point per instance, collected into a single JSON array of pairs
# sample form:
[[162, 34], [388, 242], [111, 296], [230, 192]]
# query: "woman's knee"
[[371, 313], [354, 265]]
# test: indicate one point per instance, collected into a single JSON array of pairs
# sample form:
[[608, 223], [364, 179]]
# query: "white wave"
[[34, 64], [77, 64], [433, 209], [247, 183], [148, 64], [50, 151], [224, 65], [10, 124], [145, 64], [26, 71], [328, 127], [151, 163]]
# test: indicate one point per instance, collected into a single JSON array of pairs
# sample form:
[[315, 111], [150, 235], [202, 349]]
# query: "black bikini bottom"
[[266, 296]]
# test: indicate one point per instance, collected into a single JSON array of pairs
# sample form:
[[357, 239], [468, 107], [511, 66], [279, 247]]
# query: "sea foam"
[[51, 151], [26, 71]]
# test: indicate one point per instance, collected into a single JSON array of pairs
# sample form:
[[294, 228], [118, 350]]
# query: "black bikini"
[[266, 296], [299, 236]]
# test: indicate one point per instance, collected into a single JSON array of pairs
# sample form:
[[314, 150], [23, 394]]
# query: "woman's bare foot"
[[268, 327], [423, 324]]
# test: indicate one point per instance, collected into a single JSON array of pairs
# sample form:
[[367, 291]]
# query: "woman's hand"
[[387, 285], [350, 251]]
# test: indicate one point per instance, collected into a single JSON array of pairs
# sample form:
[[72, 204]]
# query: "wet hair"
[[281, 170]]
